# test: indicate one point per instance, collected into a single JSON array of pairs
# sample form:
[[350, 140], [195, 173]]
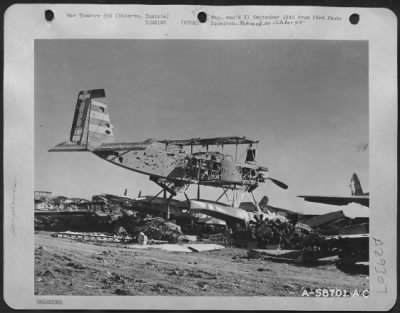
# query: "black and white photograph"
[[194, 134], [206, 166]]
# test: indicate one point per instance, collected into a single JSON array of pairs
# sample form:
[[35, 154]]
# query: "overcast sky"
[[306, 101]]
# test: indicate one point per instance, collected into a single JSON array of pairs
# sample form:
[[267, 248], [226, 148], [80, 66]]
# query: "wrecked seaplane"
[[171, 164], [311, 236], [174, 165], [351, 239]]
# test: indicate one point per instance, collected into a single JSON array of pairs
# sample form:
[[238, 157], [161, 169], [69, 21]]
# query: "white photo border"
[[377, 26]]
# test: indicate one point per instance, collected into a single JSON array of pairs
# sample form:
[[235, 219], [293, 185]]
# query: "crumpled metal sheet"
[[286, 235], [158, 228]]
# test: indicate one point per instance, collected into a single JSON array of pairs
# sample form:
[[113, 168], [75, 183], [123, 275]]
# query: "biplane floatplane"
[[172, 164]]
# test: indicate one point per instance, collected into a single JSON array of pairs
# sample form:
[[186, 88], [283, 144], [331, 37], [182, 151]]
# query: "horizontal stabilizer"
[[67, 146]]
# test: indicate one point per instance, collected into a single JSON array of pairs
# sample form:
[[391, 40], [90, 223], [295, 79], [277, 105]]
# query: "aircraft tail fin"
[[355, 186], [91, 125]]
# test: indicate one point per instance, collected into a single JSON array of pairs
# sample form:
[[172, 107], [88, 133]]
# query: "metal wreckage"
[[174, 165]]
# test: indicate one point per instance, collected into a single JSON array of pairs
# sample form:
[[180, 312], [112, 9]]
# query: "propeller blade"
[[279, 183]]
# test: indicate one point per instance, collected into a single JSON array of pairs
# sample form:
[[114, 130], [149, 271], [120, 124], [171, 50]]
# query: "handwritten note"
[[379, 264]]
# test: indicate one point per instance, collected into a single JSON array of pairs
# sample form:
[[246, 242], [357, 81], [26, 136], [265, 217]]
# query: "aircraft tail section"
[[355, 185], [91, 125]]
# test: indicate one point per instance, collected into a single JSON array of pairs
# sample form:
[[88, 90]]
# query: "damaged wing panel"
[[337, 200], [223, 212]]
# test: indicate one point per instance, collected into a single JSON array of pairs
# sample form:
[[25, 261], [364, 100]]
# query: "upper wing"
[[210, 141], [123, 146], [337, 200]]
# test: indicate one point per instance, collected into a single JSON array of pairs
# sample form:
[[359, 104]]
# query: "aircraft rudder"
[[91, 125]]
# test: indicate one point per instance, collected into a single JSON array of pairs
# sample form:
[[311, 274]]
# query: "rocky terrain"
[[69, 267]]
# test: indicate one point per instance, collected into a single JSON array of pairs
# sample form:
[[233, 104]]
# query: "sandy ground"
[[68, 267]]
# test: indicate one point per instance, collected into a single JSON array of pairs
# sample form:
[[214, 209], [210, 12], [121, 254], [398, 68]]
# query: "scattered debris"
[[92, 236], [210, 225], [89, 286], [120, 231], [122, 292], [142, 239], [179, 247], [137, 272], [324, 219], [258, 253], [173, 248], [159, 229], [189, 238], [204, 247], [73, 220], [202, 285]]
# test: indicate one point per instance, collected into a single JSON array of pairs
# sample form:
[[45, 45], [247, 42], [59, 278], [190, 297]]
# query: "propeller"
[[262, 178], [278, 183], [257, 219]]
